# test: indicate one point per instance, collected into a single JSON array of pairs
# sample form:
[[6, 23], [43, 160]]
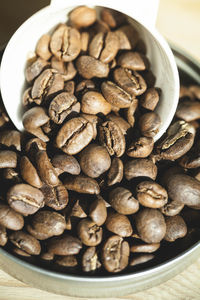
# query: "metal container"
[[182, 255]]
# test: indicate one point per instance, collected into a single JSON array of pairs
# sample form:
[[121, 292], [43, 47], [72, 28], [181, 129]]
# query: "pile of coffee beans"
[[85, 188]]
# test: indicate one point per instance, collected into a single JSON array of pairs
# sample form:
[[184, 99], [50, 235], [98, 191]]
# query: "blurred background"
[[178, 21]]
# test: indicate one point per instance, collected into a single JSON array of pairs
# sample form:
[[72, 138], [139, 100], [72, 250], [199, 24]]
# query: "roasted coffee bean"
[[29, 172], [111, 136], [66, 69], [116, 95], [11, 138], [188, 110], [195, 90], [69, 87], [42, 47], [150, 225], [116, 171], [98, 211], [74, 135], [130, 112], [3, 236], [94, 121], [33, 120], [104, 46], [141, 259], [11, 174], [64, 245], [25, 199], [89, 232], [90, 261], [8, 159], [132, 60], [176, 228], [124, 126], [150, 99], [131, 81], [84, 86], [77, 211], [65, 43], [119, 224], [34, 145], [94, 160], [93, 103], [89, 67], [9, 218], [3, 116], [149, 124], [115, 254], [191, 160], [123, 201], [82, 184], [55, 197], [67, 261], [66, 163], [112, 17], [61, 106], [47, 256], [45, 224], [82, 16], [45, 169], [179, 140], [124, 43], [151, 194], [141, 147], [25, 242], [84, 40], [172, 208], [35, 69], [140, 167], [145, 248], [131, 34]]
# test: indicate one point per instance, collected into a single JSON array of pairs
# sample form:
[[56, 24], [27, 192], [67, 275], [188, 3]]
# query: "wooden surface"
[[179, 22]]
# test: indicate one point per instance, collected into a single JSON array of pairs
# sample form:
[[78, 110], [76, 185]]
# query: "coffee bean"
[[188, 110], [25, 199], [94, 120], [115, 174], [84, 40], [25, 242], [149, 124], [66, 69], [112, 17], [35, 69], [141, 259], [89, 232], [119, 224], [10, 219], [55, 197], [98, 211], [94, 103], [132, 60], [90, 260], [172, 208], [141, 147], [150, 225], [8, 159], [11, 138], [130, 112], [11, 175], [29, 172], [140, 167], [176, 228], [123, 201], [124, 43], [89, 67], [66, 163], [67, 261], [64, 245], [145, 248], [124, 126], [82, 16], [150, 99], [77, 211], [46, 170], [115, 254], [131, 34], [3, 236], [82, 184], [42, 47], [191, 160]]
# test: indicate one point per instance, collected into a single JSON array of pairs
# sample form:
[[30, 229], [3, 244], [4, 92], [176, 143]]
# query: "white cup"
[[142, 15]]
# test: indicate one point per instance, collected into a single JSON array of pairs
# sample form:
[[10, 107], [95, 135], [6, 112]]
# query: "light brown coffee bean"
[[140, 167], [90, 261], [131, 34], [89, 232], [149, 124], [93, 103], [11, 138], [25, 199], [132, 60], [42, 47], [29, 172], [145, 248], [116, 171], [66, 163], [150, 225], [115, 254], [141, 147], [121, 122], [124, 43], [82, 184], [94, 120], [89, 67], [25, 242], [119, 224], [35, 69], [46, 170], [172, 208], [141, 259], [123, 201], [150, 99], [82, 16], [67, 261], [64, 245], [85, 37], [55, 197], [98, 211], [176, 228], [112, 17], [3, 236], [66, 69], [8, 159], [10, 219]]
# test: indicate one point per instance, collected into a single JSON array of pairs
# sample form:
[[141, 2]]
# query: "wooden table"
[[179, 22]]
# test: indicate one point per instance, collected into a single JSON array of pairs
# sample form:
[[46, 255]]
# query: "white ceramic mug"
[[142, 14]]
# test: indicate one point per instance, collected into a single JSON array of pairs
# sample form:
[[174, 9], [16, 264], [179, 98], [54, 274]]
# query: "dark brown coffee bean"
[[3, 236], [116, 171], [33, 120], [74, 135], [132, 60], [176, 228], [66, 69], [42, 47], [124, 126], [89, 67], [131, 81], [131, 34], [150, 225], [93, 103], [141, 259], [64, 245], [61, 106], [141, 147], [10, 219], [77, 211], [82, 184], [45, 224], [116, 95], [55, 197], [151, 194], [188, 110], [25, 242], [25, 199], [65, 43], [94, 160], [115, 254], [145, 248], [119, 224], [90, 261], [98, 211], [150, 99], [130, 112], [11, 138], [35, 69], [140, 167], [112, 17], [67, 261], [89, 232], [34, 145], [29, 173], [111, 136], [8, 159], [191, 160], [66, 163], [179, 140], [82, 16], [172, 208], [46, 170], [123, 201], [149, 124], [124, 43]]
